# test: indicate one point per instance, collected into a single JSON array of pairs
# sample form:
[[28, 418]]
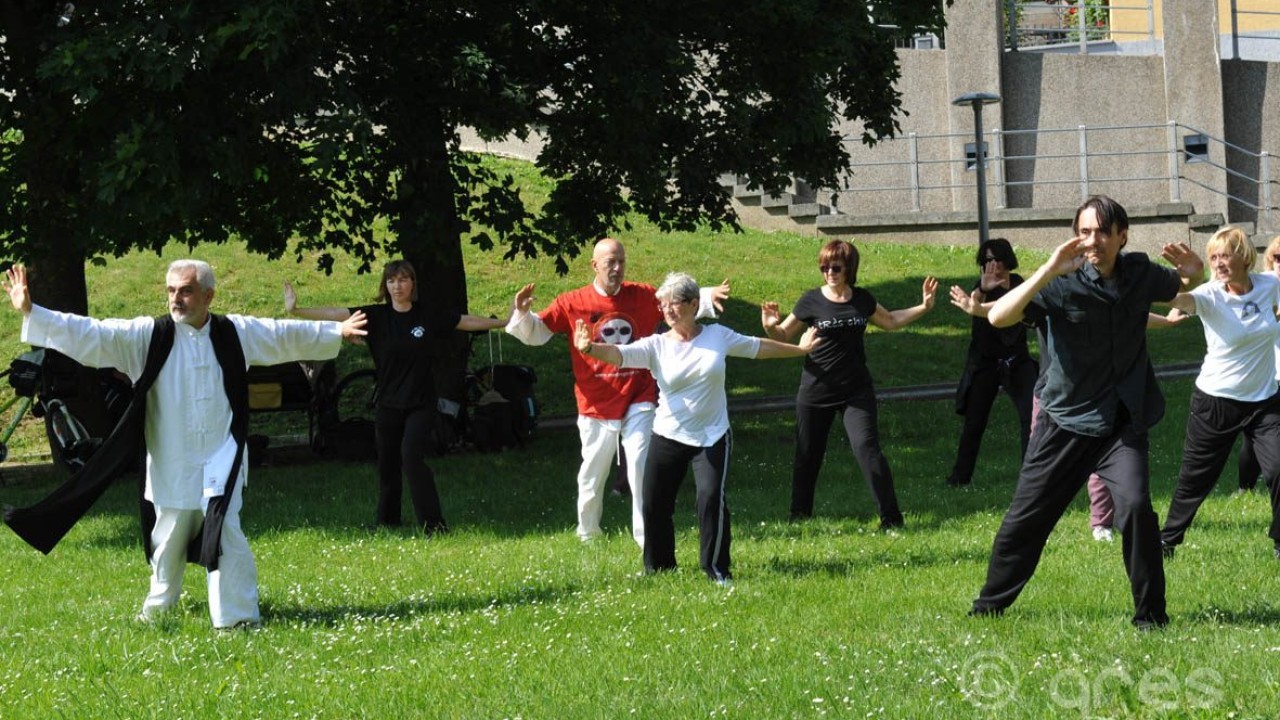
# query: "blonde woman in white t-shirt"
[[691, 424], [1235, 393], [1248, 469]]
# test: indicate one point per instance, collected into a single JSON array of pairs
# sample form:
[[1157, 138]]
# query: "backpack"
[[515, 383]]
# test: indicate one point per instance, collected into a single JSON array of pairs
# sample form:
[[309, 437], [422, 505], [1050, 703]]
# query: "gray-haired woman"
[[691, 425]]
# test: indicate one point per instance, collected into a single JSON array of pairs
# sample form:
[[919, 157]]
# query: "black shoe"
[[892, 525], [954, 481], [434, 529], [1150, 624], [800, 516], [986, 612], [1167, 551]]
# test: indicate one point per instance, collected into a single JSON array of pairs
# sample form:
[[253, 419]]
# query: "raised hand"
[[524, 298], [928, 292], [290, 298], [1184, 260], [769, 315], [353, 328], [1067, 257], [719, 294], [991, 278], [581, 336], [968, 302], [15, 283], [810, 340]]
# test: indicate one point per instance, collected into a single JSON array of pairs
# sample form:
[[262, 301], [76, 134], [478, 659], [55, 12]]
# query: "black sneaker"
[[1167, 551], [986, 612], [892, 526], [1150, 624], [954, 481]]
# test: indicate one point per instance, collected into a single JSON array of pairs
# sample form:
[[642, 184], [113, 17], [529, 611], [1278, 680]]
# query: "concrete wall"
[[1251, 109]]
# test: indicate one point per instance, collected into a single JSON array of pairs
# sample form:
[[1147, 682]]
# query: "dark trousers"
[[664, 472], [403, 437], [1057, 465], [1212, 427], [983, 385], [813, 426]]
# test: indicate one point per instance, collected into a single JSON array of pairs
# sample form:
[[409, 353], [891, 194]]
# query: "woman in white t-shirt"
[[1235, 392], [1248, 470], [691, 424]]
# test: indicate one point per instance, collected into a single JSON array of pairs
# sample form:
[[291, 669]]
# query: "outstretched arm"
[[773, 349], [711, 300], [599, 351], [353, 328], [895, 319], [335, 314], [1156, 321], [972, 303]]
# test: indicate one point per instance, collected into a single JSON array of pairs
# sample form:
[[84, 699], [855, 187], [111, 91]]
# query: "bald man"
[[615, 405]]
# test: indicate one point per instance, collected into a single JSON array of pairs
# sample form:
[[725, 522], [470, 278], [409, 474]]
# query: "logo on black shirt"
[[418, 331]]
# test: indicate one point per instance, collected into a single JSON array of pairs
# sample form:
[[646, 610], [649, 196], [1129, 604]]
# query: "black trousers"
[[861, 425], [1213, 424], [983, 385], [1057, 465], [664, 471], [403, 437]]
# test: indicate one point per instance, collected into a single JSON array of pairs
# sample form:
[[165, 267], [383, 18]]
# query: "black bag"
[[349, 440], [516, 383], [492, 426]]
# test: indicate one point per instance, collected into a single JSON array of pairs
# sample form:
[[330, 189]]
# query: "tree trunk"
[[429, 235]]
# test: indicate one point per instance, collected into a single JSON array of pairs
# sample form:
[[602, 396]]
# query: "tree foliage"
[[141, 123]]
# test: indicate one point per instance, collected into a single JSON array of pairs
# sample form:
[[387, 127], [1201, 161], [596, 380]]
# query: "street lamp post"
[[976, 100]]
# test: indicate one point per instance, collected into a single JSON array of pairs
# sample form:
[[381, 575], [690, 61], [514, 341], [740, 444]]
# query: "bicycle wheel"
[[356, 396]]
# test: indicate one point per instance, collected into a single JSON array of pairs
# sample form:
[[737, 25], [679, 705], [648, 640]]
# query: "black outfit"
[[835, 380], [401, 344], [998, 358], [1098, 400], [1212, 427], [671, 459]]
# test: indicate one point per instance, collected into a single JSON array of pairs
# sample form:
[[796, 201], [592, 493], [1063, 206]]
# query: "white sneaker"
[[1103, 534]]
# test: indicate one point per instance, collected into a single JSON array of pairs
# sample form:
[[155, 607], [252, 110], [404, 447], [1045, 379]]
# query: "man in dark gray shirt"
[[1098, 400]]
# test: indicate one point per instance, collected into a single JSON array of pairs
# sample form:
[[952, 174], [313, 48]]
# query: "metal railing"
[[1064, 23], [1265, 17], [1073, 164]]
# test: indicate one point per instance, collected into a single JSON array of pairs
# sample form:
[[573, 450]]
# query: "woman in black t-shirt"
[[835, 377], [402, 333], [998, 357]]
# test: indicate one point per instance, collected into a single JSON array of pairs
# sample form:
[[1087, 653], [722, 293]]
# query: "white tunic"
[[188, 415]]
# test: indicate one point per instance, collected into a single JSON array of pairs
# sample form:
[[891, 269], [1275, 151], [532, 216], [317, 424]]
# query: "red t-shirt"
[[605, 391]]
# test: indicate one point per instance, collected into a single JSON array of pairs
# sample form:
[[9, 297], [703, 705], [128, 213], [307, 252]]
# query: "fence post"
[[1175, 189], [1235, 32], [1084, 162], [1082, 9], [1011, 23], [1264, 160], [997, 145], [914, 171]]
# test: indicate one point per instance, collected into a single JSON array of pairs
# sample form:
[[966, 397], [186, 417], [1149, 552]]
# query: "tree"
[[142, 123]]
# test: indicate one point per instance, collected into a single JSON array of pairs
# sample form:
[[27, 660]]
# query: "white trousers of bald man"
[[600, 442], [233, 587]]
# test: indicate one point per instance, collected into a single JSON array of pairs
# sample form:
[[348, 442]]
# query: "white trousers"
[[233, 587], [600, 440]]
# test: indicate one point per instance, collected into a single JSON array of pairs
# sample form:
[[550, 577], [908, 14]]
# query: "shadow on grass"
[[334, 616], [855, 564]]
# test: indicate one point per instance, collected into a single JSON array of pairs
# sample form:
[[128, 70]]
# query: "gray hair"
[[678, 287], [204, 273]]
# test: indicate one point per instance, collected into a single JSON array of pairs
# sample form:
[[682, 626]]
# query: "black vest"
[[44, 524]]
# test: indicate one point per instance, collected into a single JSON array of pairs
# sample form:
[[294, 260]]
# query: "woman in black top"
[[998, 357], [402, 333], [835, 379]]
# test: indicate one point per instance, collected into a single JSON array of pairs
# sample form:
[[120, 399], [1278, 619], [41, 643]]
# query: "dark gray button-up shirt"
[[1097, 345]]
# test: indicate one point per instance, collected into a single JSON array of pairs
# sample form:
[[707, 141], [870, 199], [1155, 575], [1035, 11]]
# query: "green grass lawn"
[[511, 617]]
